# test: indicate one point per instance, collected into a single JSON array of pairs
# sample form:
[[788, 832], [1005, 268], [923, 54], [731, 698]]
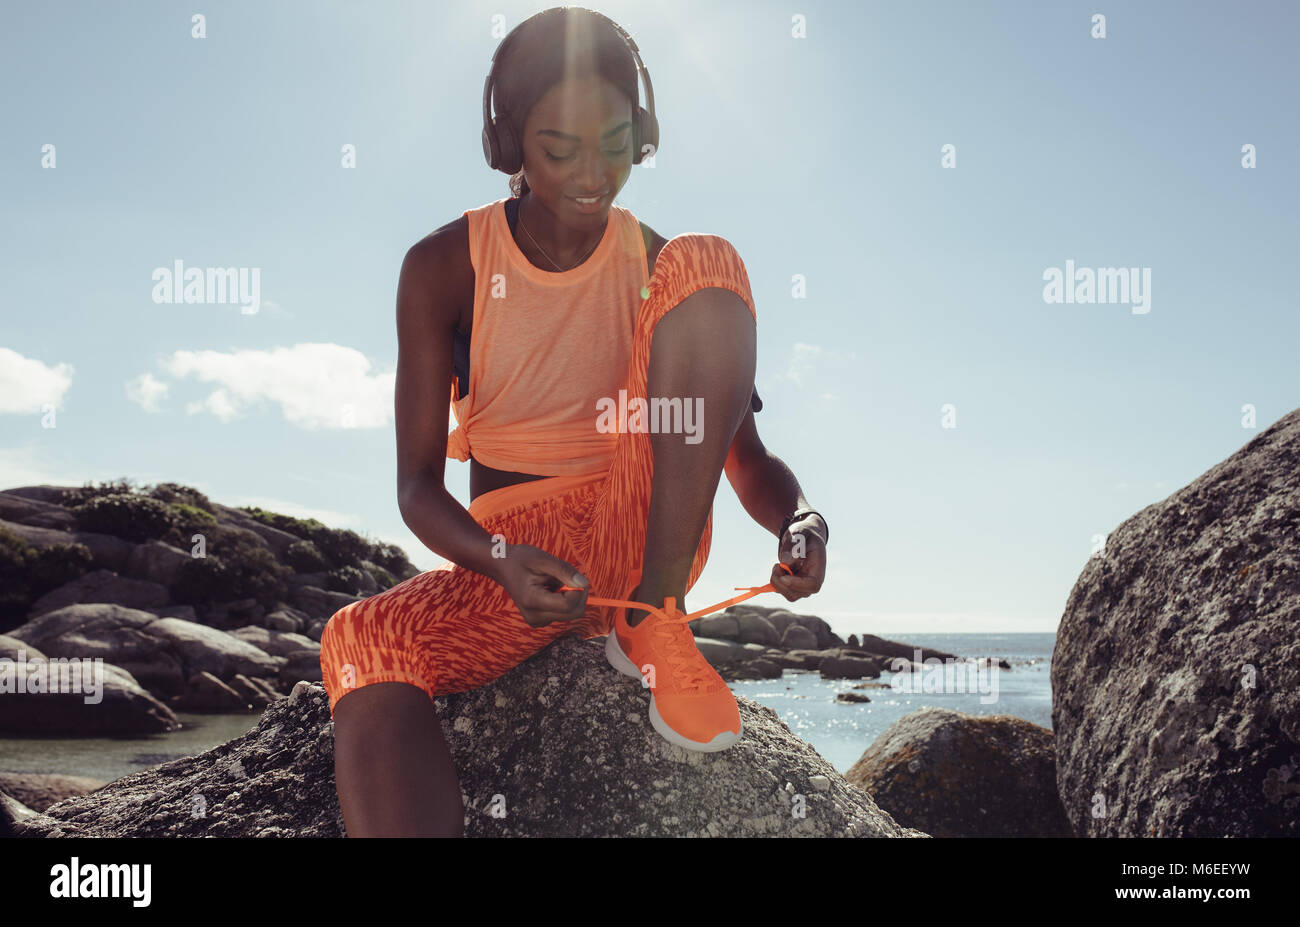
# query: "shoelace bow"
[[668, 620]]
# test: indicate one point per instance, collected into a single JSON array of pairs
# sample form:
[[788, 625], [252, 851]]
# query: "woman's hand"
[[533, 577], [809, 570]]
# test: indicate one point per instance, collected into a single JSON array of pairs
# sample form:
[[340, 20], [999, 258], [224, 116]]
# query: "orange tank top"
[[544, 347]]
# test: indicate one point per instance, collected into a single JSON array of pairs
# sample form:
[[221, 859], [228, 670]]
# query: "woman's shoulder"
[[444, 254]]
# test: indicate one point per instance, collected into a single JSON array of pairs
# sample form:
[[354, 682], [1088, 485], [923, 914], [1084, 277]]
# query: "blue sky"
[[817, 156]]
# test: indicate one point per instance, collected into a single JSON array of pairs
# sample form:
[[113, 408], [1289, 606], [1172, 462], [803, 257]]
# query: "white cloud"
[[146, 391], [803, 363], [27, 384], [316, 386]]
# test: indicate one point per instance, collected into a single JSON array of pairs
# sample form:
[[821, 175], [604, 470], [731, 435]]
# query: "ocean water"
[[839, 732], [842, 732]]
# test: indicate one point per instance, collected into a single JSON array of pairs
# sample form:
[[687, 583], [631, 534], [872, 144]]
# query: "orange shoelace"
[[680, 648], [669, 611]]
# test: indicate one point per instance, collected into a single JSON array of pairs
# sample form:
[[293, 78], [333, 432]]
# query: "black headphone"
[[503, 149]]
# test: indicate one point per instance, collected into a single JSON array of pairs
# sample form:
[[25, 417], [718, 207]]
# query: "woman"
[[538, 310]]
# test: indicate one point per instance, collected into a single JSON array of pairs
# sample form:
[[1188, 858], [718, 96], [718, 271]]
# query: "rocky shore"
[[1175, 678]]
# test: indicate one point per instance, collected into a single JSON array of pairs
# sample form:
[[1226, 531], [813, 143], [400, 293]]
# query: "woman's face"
[[578, 142]]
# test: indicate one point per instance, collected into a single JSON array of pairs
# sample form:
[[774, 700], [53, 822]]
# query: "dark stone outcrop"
[[1176, 672], [957, 775], [560, 745], [40, 790], [64, 701]]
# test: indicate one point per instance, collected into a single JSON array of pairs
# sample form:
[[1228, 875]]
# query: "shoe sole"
[[617, 659]]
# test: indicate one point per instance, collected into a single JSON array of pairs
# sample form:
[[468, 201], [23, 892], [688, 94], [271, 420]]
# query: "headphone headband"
[[503, 150]]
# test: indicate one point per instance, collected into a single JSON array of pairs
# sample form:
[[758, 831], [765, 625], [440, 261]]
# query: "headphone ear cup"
[[490, 148], [645, 132], [511, 158]]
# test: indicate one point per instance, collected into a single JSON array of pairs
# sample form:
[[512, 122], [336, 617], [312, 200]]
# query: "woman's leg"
[[385, 657], [695, 339]]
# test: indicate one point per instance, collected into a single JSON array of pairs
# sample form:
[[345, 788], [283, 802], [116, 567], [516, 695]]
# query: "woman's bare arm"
[[765, 486], [428, 315]]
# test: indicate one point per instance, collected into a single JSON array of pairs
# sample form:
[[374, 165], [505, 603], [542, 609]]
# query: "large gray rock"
[[40, 790], [887, 648], [161, 653], [73, 697], [46, 492], [1176, 672], [562, 745], [34, 513], [275, 643], [755, 629], [278, 541], [957, 775], [102, 586], [156, 562], [849, 667], [797, 637], [319, 603], [106, 551]]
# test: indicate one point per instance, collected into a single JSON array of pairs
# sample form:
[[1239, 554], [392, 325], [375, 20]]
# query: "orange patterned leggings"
[[450, 629]]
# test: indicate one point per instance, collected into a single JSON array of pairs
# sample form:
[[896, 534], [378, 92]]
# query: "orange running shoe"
[[690, 704]]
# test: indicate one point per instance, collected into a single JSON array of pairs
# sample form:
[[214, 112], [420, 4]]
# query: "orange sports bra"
[[543, 347]]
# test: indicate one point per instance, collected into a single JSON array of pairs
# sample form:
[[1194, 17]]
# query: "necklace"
[[543, 250]]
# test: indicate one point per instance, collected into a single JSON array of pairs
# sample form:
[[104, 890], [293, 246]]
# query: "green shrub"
[[27, 573], [347, 579], [188, 521], [391, 557], [127, 515], [51, 567], [304, 557], [182, 497], [382, 577], [236, 566], [74, 497]]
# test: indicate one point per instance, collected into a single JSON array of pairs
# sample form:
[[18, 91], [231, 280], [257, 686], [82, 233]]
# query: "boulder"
[[849, 667], [274, 538], [178, 611], [755, 629], [35, 514], [275, 643], [82, 698], [13, 814], [319, 603], [204, 649], [285, 619], [559, 746], [227, 616], [160, 653], [112, 633], [299, 665], [206, 692], [102, 586], [758, 668], [887, 648], [107, 552], [156, 562], [46, 492], [721, 626], [797, 637], [851, 697], [960, 775], [39, 791], [1176, 671]]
